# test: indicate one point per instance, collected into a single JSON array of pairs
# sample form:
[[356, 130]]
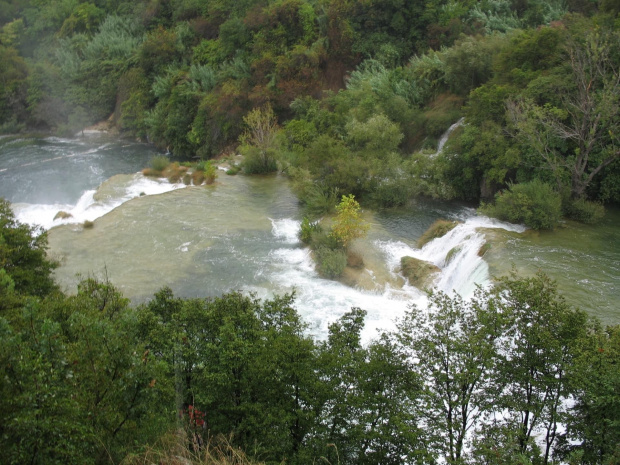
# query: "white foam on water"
[[322, 301], [87, 208]]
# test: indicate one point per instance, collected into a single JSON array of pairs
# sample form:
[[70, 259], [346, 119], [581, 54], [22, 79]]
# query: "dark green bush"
[[330, 262], [320, 200], [259, 161], [584, 211], [534, 203]]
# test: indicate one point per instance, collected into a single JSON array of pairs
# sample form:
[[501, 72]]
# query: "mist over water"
[[241, 234]]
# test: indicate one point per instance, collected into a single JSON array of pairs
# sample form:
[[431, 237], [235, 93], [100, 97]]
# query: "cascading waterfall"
[[446, 135], [89, 207], [457, 254]]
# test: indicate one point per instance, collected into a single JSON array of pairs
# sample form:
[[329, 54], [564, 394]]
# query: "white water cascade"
[[322, 301], [455, 253], [89, 206], [446, 135]]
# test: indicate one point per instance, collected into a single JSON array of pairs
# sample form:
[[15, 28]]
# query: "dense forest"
[[344, 96], [348, 98]]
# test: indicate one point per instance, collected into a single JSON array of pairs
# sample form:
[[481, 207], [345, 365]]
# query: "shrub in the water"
[[584, 211], [533, 203], [330, 262]]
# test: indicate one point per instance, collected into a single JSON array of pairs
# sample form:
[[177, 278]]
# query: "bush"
[[584, 211], [319, 200], [210, 172], [308, 229], [348, 224], [534, 203], [258, 161], [159, 163], [198, 177], [330, 262]]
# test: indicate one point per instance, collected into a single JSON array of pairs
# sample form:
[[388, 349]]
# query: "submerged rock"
[[62, 215], [419, 273]]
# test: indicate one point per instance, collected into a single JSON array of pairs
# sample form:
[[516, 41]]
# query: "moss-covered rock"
[[418, 272], [452, 253], [438, 229], [61, 215]]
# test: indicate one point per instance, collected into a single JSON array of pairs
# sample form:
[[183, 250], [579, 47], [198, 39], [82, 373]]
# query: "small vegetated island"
[[348, 99]]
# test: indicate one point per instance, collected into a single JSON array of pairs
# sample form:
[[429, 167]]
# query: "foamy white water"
[[89, 209], [322, 301]]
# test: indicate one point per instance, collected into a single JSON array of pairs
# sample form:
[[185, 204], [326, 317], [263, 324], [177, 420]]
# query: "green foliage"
[[84, 19], [593, 426], [330, 262], [348, 223], [159, 163], [308, 229], [583, 210], [258, 141], [534, 203], [23, 255], [210, 172]]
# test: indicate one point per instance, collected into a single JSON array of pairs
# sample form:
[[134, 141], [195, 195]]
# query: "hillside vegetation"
[[345, 96]]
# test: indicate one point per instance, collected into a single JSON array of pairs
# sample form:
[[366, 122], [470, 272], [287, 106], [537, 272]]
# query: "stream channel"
[[241, 234]]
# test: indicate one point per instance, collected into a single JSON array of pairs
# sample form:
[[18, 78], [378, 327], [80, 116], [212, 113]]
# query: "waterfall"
[[457, 254], [446, 135], [93, 204]]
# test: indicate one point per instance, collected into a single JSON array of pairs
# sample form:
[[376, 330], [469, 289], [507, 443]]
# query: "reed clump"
[[179, 449]]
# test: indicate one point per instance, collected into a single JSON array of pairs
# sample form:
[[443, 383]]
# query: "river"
[[241, 234]]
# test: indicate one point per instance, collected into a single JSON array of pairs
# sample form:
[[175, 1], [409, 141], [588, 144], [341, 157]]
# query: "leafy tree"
[[579, 139], [348, 223], [258, 140], [593, 430], [455, 348], [545, 334], [367, 397], [23, 255]]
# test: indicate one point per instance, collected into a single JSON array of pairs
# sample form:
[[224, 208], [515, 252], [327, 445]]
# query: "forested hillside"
[[356, 93]]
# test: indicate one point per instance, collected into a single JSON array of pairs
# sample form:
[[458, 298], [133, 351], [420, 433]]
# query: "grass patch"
[[438, 229], [330, 262], [174, 172], [198, 177], [452, 253], [159, 163], [177, 448]]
